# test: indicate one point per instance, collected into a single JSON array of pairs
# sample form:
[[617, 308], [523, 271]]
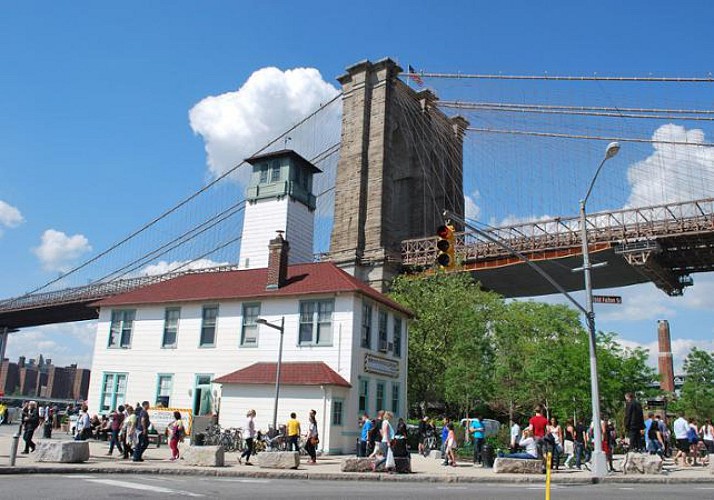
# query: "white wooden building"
[[193, 342]]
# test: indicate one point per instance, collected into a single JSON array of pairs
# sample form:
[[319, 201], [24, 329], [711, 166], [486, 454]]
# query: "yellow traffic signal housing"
[[446, 255]]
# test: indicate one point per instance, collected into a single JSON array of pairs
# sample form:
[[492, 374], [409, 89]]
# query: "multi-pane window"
[[113, 391], [336, 412], [163, 390], [382, 328], [208, 326], [395, 398], [275, 171], [380, 396], [363, 395], [366, 339], [263, 174], [397, 337], [171, 320], [120, 329], [316, 322], [249, 335]]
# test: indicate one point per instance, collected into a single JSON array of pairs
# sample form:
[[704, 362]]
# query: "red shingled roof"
[[303, 279], [292, 373]]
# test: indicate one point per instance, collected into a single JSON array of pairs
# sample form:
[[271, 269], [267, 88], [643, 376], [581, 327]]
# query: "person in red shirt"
[[538, 425]]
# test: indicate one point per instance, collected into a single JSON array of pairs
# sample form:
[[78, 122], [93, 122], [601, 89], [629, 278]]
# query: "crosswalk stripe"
[[142, 487]]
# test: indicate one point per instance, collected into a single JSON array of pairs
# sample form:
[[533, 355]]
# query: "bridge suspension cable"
[[586, 137], [584, 78]]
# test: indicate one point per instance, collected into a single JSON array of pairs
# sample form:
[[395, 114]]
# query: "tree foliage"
[[698, 389], [469, 348]]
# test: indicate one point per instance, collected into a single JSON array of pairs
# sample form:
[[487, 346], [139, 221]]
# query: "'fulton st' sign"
[[381, 366]]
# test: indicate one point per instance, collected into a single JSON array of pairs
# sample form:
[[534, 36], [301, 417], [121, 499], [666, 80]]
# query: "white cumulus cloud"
[[236, 124], [471, 208], [673, 172], [63, 343], [680, 349], [163, 267], [9, 216], [58, 252]]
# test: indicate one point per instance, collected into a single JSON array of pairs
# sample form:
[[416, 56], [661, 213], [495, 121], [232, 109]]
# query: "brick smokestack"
[[665, 362], [277, 262]]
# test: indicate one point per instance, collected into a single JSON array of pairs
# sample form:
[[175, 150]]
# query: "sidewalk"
[[327, 468]]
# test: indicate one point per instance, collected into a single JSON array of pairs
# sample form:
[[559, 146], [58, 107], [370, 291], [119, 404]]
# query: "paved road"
[[106, 486]]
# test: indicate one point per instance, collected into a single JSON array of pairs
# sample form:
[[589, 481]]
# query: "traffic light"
[[446, 257]]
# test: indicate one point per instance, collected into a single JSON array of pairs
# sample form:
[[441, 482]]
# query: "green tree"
[[698, 390], [448, 350]]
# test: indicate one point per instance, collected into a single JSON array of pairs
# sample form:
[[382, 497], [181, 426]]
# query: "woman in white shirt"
[[529, 444], [249, 437]]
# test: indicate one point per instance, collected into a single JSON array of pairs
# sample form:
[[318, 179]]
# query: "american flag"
[[414, 77]]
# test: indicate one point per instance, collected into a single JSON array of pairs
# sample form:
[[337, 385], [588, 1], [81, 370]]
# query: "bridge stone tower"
[[401, 165]]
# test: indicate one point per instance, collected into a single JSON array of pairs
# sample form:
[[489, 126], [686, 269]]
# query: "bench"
[[504, 465]]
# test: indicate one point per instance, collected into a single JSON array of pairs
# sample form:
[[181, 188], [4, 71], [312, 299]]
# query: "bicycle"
[[429, 443]]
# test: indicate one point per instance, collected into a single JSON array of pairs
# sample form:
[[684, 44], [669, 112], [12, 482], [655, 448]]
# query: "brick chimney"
[[277, 262], [665, 362]]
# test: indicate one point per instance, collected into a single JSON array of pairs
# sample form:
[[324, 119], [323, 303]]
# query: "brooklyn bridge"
[[390, 169]]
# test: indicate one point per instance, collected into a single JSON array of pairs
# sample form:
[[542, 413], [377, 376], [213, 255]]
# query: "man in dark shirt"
[[634, 421], [142, 429], [581, 439]]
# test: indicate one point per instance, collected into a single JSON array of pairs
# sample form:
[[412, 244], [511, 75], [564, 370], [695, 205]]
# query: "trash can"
[[487, 455]]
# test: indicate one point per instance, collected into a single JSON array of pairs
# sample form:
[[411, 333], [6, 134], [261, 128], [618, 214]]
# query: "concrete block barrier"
[[277, 460], [204, 456], [65, 452], [517, 466]]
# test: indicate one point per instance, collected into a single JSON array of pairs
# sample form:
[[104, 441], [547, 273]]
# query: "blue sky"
[[96, 136]]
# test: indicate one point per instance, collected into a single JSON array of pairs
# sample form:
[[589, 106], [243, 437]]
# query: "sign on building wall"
[[162, 417], [381, 366]]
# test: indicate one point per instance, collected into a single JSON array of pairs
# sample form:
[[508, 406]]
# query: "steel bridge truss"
[[664, 242]]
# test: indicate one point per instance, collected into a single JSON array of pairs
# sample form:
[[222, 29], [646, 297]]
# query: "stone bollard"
[[13, 448]]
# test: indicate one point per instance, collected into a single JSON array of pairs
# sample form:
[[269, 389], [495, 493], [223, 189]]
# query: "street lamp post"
[[281, 329], [599, 461]]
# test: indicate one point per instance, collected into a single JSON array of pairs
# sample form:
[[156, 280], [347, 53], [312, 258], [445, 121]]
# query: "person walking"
[[707, 432], [84, 425], [556, 437], [250, 437], [569, 444], [375, 435], [477, 433], [386, 443], [451, 445], [444, 437], [364, 436], [293, 431], [634, 422], [177, 431], [312, 437], [655, 438], [143, 422], [115, 426], [580, 443], [681, 427], [30, 422], [127, 434]]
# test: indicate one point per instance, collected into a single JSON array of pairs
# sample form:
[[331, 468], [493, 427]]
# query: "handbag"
[[314, 440], [390, 464]]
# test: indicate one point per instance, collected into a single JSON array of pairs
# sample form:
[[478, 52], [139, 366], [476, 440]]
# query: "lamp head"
[[612, 149], [261, 321]]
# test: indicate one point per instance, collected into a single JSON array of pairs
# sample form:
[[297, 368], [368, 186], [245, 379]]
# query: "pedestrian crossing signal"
[[446, 257]]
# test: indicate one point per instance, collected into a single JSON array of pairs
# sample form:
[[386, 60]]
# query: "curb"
[[356, 476]]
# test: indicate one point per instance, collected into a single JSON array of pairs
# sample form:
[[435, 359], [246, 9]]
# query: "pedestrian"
[[444, 436], [580, 443], [47, 426], [116, 421], [634, 422], [177, 431], [528, 442], [423, 423], [364, 436], [707, 432], [681, 427], [312, 437], [556, 435], [655, 438], [401, 429], [537, 424], [451, 445], [693, 438], [386, 443], [375, 436], [128, 432], [84, 425], [569, 444], [293, 431], [250, 436], [648, 424], [143, 422], [30, 421], [477, 433], [515, 436]]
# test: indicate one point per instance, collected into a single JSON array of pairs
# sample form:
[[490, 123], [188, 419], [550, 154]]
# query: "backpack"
[[692, 435]]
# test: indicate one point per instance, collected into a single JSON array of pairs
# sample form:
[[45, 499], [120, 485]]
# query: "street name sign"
[[607, 299]]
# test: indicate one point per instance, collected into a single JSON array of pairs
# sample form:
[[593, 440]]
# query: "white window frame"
[[249, 325], [320, 321]]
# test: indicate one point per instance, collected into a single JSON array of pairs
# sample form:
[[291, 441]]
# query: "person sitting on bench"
[[529, 444]]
